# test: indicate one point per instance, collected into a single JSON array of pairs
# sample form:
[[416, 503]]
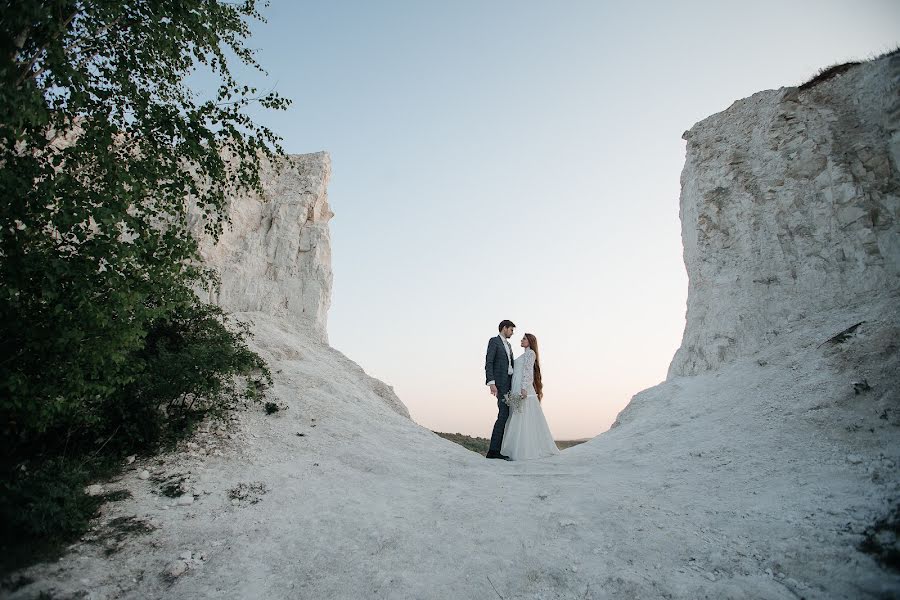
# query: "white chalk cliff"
[[762, 468], [275, 257], [790, 206]]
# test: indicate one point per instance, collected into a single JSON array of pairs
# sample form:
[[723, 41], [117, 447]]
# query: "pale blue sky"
[[521, 160]]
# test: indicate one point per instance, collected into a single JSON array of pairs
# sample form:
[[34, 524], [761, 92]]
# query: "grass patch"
[[475, 444], [563, 444], [828, 73], [481, 445], [839, 69]]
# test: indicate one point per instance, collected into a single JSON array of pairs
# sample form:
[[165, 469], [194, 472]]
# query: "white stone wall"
[[790, 204], [275, 256]]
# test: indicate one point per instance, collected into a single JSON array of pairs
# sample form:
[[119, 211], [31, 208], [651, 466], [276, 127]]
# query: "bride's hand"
[[523, 393]]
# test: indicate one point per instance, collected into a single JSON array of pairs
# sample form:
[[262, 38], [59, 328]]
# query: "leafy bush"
[[106, 349], [101, 145], [42, 503], [43, 508], [192, 366]]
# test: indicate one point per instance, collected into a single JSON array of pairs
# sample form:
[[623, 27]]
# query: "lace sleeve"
[[528, 370]]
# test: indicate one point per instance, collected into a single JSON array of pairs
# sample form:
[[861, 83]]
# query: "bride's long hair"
[[538, 384]]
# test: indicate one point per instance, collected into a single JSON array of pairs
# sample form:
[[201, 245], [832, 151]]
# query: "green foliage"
[[43, 508], [481, 445], [103, 148], [42, 500], [475, 444], [187, 370], [101, 142]]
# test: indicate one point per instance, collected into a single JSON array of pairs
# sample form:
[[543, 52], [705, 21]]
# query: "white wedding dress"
[[527, 434]]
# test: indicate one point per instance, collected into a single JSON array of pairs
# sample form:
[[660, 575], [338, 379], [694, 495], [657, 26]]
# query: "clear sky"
[[513, 159]]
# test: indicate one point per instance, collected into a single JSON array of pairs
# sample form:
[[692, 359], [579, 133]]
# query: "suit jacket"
[[496, 365]]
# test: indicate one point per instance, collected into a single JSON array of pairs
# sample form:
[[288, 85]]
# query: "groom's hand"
[[493, 390]]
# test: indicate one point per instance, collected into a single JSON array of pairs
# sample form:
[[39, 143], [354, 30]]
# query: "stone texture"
[[275, 256], [275, 259], [790, 205]]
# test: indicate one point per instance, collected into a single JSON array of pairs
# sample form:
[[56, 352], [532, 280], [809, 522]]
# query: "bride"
[[527, 434]]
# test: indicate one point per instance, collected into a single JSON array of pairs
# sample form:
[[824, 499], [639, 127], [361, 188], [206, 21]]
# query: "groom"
[[498, 370]]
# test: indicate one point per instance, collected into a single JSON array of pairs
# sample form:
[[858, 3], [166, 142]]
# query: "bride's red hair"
[[538, 384]]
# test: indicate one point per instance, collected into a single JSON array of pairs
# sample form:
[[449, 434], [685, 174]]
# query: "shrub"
[[193, 365], [42, 507], [106, 349]]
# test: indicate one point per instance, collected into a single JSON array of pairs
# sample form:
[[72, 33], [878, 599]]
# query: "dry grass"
[[839, 69], [828, 73]]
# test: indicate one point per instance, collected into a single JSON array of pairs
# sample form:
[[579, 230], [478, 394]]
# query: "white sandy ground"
[[755, 481]]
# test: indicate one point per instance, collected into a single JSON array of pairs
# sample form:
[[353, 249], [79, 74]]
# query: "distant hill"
[[480, 444]]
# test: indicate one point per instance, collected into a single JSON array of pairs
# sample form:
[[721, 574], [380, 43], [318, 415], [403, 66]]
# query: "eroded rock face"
[[790, 204], [275, 257]]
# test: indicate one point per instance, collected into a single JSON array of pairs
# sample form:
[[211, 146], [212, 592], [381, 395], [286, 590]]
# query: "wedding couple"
[[521, 431]]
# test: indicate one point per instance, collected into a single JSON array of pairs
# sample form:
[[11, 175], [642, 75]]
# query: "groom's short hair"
[[505, 323]]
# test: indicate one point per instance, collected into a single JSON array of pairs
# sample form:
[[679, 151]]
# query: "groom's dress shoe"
[[497, 455]]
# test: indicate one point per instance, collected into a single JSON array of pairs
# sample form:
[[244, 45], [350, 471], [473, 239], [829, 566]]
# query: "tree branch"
[[40, 51], [103, 30]]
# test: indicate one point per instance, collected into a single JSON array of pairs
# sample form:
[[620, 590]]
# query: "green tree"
[[101, 141], [102, 146]]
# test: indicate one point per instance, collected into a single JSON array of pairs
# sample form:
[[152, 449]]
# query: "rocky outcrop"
[[275, 255], [790, 205], [274, 258]]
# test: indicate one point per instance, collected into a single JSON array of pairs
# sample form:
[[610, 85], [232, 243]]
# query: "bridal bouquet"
[[515, 401]]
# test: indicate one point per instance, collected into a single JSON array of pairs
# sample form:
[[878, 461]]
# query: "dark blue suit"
[[496, 369]]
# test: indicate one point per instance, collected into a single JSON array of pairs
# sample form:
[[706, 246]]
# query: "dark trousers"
[[500, 424]]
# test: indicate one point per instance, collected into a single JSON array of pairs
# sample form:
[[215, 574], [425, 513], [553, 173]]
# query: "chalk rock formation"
[[790, 205], [275, 256], [274, 263]]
